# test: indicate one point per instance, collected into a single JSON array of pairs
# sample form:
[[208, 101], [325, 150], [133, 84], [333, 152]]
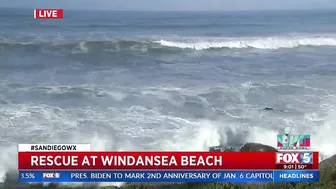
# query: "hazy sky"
[[173, 4]]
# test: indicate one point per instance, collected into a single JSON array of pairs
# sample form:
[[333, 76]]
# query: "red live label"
[[48, 13]]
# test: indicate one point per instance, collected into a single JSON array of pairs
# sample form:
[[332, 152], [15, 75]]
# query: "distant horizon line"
[[130, 10]]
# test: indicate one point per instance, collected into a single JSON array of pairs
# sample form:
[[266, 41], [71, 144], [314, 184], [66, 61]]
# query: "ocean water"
[[166, 80]]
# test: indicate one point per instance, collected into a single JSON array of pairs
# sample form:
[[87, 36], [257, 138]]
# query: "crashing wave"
[[258, 43], [169, 44]]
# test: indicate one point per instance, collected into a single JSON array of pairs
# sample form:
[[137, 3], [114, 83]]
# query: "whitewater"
[[151, 44], [256, 42], [159, 81]]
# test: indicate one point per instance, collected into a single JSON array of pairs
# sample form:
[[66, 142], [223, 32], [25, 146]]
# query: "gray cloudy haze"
[[188, 5]]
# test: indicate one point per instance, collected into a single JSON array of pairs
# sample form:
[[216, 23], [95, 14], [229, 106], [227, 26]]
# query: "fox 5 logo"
[[51, 175], [306, 158], [294, 158]]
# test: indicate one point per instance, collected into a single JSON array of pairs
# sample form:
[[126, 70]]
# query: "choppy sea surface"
[[166, 80]]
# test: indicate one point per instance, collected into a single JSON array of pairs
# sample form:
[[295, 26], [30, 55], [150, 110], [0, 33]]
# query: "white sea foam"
[[134, 128], [142, 128], [257, 42]]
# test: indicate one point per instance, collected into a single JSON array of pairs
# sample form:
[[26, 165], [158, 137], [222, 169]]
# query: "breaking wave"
[[84, 46], [176, 44], [258, 43]]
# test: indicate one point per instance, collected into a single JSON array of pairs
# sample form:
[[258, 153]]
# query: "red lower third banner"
[[167, 160]]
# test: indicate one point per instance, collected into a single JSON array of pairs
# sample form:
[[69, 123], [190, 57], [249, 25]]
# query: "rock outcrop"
[[248, 147], [257, 147], [329, 161]]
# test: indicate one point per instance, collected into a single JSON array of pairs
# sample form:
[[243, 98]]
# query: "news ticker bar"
[[170, 176]]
